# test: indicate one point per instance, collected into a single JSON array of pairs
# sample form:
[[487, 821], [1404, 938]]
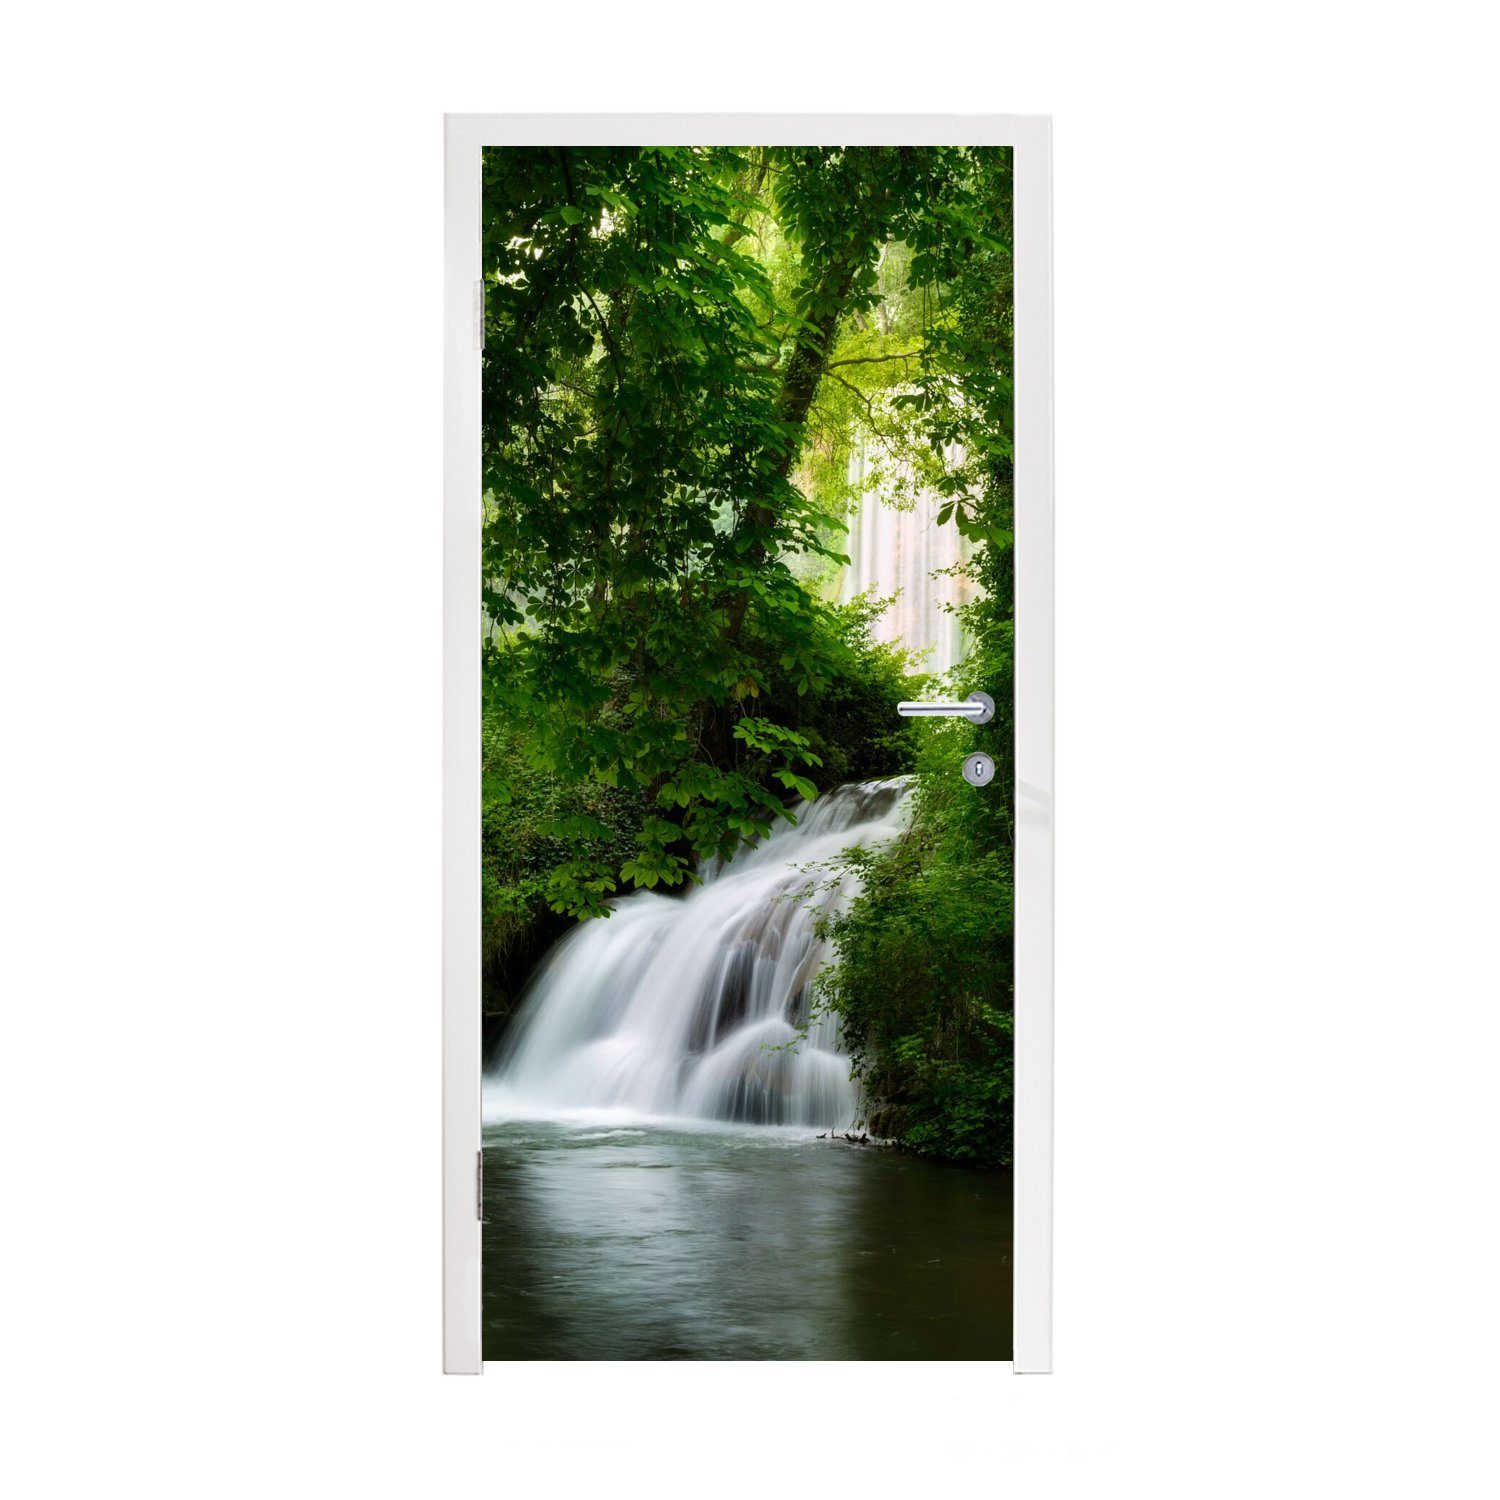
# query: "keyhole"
[[979, 769]]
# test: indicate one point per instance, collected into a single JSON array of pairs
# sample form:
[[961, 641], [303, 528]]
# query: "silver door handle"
[[979, 707]]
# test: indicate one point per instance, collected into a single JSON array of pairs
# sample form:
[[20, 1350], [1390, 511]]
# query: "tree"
[[673, 339]]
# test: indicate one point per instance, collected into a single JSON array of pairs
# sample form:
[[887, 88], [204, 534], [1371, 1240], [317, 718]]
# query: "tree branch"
[[862, 396], [738, 231], [875, 359]]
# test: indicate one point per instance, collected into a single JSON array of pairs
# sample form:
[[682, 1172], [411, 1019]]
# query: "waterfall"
[[684, 1005], [898, 551]]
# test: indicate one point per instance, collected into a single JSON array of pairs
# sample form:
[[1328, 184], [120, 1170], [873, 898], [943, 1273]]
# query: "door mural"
[[747, 466]]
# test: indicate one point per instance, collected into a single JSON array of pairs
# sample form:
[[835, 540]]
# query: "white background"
[[1278, 819]]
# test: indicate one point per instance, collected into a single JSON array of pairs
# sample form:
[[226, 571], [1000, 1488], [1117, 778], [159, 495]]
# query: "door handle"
[[977, 707]]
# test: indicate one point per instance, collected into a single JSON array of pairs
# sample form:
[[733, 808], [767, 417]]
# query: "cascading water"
[[691, 1005], [902, 551]]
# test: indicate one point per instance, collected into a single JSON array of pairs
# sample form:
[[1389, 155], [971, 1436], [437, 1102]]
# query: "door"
[[746, 741]]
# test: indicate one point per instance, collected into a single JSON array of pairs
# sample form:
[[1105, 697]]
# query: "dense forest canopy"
[[684, 346]]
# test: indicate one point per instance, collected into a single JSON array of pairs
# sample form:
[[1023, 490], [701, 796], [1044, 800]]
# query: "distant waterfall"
[[895, 551], [683, 1005]]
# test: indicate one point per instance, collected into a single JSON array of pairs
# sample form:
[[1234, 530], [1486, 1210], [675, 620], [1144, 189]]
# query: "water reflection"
[[612, 1240]]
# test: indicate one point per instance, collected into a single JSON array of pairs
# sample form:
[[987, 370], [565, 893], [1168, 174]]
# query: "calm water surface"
[[611, 1240]]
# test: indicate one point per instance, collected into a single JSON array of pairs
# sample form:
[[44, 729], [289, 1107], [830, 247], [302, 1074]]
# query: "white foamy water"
[[904, 552], [685, 1005]]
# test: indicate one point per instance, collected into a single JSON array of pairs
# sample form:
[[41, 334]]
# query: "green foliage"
[[547, 844], [922, 978], [659, 325], [851, 725]]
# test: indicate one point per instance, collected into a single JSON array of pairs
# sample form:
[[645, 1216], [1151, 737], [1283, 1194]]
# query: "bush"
[[923, 957], [530, 825], [851, 722]]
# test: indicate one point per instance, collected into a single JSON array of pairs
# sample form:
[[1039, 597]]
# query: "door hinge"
[[479, 314], [479, 1187]]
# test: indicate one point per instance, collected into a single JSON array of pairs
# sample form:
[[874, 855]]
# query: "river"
[[606, 1240]]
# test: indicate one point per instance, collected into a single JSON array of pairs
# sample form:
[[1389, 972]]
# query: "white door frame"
[[1031, 139]]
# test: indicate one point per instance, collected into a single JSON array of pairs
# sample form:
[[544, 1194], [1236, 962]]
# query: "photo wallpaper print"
[[747, 450]]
